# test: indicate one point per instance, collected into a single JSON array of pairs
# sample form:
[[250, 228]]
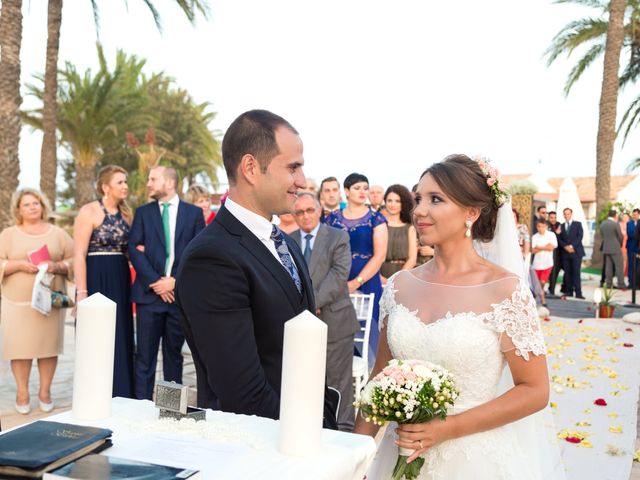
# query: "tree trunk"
[[608, 110], [48, 157], [85, 177], [10, 100]]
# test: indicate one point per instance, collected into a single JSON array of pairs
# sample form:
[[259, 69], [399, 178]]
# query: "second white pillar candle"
[[303, 380]]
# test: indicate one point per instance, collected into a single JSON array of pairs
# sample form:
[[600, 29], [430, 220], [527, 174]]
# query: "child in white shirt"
[[542, 245]]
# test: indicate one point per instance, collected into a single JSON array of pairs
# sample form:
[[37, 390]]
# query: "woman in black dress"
[[101, 234]]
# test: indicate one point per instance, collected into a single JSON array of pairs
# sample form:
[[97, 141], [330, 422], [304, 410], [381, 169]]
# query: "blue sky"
[[379, 87]]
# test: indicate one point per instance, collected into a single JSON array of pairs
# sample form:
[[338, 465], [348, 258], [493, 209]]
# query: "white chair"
[[363, 304]]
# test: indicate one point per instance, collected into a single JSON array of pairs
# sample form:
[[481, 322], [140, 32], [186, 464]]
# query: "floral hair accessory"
[[493, 180]]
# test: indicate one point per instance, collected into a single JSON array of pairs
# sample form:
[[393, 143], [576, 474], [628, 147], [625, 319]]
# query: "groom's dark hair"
[[252, 133]]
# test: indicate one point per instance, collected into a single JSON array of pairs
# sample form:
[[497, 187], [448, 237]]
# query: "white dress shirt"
[[257, 224], [312, 240], [173, 218]]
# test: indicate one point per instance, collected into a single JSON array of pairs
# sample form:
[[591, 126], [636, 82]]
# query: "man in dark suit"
[[542, 215], [242, 278], [571, 243], [556, 228], [328, 255], [160, 232], [612, 250], [632, 243], [329, 195]]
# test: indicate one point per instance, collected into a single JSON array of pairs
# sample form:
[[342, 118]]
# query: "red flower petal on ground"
[[628, 329], [573, 439], [580, 321], [628, 345], [601, 401], [547, 319]]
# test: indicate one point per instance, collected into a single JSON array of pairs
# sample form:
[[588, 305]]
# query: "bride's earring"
[[468, 224]]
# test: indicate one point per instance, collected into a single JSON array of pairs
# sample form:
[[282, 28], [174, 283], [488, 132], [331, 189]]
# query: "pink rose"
[[491, 182], [410, 376]]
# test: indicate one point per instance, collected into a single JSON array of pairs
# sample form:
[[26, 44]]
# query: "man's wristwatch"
[[359, 280]]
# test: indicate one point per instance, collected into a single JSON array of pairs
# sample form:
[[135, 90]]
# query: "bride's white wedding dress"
[[466, 329]]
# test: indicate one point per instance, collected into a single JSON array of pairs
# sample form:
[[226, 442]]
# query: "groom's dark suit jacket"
[[235, 298]]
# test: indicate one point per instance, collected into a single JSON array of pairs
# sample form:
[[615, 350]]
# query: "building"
[[624, 189]]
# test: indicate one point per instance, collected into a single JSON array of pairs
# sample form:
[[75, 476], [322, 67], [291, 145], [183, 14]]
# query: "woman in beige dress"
[[26, 333]]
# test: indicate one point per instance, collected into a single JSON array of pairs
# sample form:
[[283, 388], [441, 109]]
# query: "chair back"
[[363, 304]]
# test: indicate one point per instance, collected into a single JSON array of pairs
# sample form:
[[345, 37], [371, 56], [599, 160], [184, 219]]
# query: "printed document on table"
[[178, 451]]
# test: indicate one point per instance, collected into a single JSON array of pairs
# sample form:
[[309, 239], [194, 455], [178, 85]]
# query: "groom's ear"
[[249, 168]]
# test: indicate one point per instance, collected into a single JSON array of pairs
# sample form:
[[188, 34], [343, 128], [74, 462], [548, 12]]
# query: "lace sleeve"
[[387, 302], [517, 317]]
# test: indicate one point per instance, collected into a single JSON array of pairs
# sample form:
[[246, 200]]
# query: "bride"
[[470, 316]]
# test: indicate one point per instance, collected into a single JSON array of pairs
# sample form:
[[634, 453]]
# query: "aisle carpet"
[[594, 366]]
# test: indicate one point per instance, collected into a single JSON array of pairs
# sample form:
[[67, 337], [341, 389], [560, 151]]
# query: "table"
[[226, 446]]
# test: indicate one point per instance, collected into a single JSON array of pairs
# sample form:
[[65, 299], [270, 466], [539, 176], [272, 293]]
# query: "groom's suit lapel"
[[261, 253]]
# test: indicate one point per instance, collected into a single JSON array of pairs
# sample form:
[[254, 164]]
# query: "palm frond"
[[191, 7], [577, 71], [586, 3], [155, 14], [630, 118], [96, 17], [574, 35], [633, 165]]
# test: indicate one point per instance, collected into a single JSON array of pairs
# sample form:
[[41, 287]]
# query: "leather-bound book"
[[42, 446]]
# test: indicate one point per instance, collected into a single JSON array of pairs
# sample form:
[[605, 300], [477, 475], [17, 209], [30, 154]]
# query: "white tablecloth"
[[226, 446]]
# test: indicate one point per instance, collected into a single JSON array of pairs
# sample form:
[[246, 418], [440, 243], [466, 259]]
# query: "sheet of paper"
[[177, 451]]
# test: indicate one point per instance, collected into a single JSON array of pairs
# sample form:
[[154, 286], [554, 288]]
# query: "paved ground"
[[62, 387], [63, 381], [573, 308]]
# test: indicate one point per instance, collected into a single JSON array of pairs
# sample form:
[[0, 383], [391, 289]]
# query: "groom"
[[242, 278]]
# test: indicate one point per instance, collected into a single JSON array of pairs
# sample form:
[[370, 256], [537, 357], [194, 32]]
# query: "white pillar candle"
[[95, 343], [303, 380]]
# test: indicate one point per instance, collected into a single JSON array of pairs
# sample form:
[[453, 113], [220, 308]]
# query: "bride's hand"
[[422, 436]]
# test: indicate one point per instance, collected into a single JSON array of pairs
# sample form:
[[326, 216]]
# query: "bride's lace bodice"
[[465, 329]]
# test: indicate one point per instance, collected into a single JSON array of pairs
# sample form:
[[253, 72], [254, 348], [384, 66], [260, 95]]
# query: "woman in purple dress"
[[367, 231]]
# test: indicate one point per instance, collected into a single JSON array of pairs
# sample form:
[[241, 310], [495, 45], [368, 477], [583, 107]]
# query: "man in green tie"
[[160, 232]]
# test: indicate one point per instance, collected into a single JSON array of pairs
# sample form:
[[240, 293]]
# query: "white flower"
[[422, 371]]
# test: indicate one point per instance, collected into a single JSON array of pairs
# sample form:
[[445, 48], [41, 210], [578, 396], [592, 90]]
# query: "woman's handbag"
[[43, 297], [61, 300]]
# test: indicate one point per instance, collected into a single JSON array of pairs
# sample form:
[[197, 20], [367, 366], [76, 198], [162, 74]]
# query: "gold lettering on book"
[[68, 434]]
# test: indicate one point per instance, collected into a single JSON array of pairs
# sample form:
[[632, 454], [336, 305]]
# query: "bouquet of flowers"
[[407, 391]]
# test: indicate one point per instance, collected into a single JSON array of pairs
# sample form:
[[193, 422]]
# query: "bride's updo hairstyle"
[[464, 182]]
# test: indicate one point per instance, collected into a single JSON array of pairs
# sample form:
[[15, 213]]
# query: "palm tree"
[[95, 111], [183, 128], [48, 160], [607, 112], [591, 34], [48, 157], [603, 37], [10, 100], [179, 137]]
